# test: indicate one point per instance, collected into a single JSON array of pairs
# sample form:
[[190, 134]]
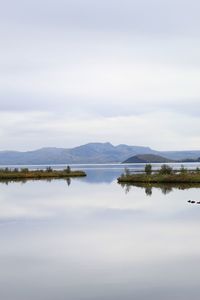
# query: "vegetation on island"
[[165, 174], [48, 173]]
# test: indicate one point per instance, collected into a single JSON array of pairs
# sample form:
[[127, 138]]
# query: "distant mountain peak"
[[97, 144]]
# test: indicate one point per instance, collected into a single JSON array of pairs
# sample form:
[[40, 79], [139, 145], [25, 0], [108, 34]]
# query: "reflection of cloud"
[[51, 200], [93, 239]]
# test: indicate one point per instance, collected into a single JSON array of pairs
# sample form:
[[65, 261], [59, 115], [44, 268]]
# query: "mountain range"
[[88, 153]]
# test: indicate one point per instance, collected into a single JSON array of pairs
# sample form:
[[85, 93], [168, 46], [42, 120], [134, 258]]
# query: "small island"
[[48, 173], [166, 174]]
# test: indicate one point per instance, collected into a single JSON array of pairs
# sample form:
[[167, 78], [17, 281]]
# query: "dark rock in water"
[[191, 201]]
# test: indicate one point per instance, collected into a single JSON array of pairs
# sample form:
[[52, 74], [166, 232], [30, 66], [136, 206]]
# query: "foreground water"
[[93, 239]]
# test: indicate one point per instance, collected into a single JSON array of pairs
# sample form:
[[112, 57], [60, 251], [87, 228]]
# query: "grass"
[[189, 177], [8, 174]]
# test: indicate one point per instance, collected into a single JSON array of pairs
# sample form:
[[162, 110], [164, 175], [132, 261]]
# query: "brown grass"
[[9, 174], [190, 177]]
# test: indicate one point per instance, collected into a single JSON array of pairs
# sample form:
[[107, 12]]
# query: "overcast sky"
[[78, 71]]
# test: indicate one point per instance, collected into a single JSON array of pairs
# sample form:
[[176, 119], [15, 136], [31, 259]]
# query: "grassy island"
[[49, 173], [165, 175]]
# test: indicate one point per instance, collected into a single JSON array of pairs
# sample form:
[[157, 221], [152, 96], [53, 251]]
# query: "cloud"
[[68, 67], [143, 17], [160, 130]]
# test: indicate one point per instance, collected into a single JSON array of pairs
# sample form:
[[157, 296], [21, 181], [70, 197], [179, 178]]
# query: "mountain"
[[89, 153], [181, 155], [148, 158]]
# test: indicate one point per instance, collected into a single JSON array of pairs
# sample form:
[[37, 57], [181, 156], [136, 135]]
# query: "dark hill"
[[147, 158]]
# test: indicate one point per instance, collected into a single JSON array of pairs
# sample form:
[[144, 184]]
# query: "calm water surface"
[[94, 239]]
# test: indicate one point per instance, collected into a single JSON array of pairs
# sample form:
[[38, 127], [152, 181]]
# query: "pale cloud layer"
[[76, 71]]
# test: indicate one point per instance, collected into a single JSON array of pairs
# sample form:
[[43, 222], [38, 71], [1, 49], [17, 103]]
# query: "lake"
[[92, 239]]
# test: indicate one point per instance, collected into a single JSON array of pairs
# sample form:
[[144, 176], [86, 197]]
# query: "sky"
[[119, 71]]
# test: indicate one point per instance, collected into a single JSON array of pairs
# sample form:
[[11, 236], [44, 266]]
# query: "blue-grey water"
[[93, 239]]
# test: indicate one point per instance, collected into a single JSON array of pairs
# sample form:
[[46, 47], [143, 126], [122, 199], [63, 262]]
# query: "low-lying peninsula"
[[165, 175], [49, 173]]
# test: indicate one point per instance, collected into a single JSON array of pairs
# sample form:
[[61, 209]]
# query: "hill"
[[148, 158]]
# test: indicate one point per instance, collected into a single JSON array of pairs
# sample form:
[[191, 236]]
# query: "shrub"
[[148, 169], [197, 170], [49, 169], [165, 170], [68, 169], [24, 170], [183, 170]]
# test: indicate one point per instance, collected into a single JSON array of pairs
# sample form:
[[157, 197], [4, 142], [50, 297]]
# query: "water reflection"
[[24, 181], [93, 176], [94, 242], [165, 188]]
